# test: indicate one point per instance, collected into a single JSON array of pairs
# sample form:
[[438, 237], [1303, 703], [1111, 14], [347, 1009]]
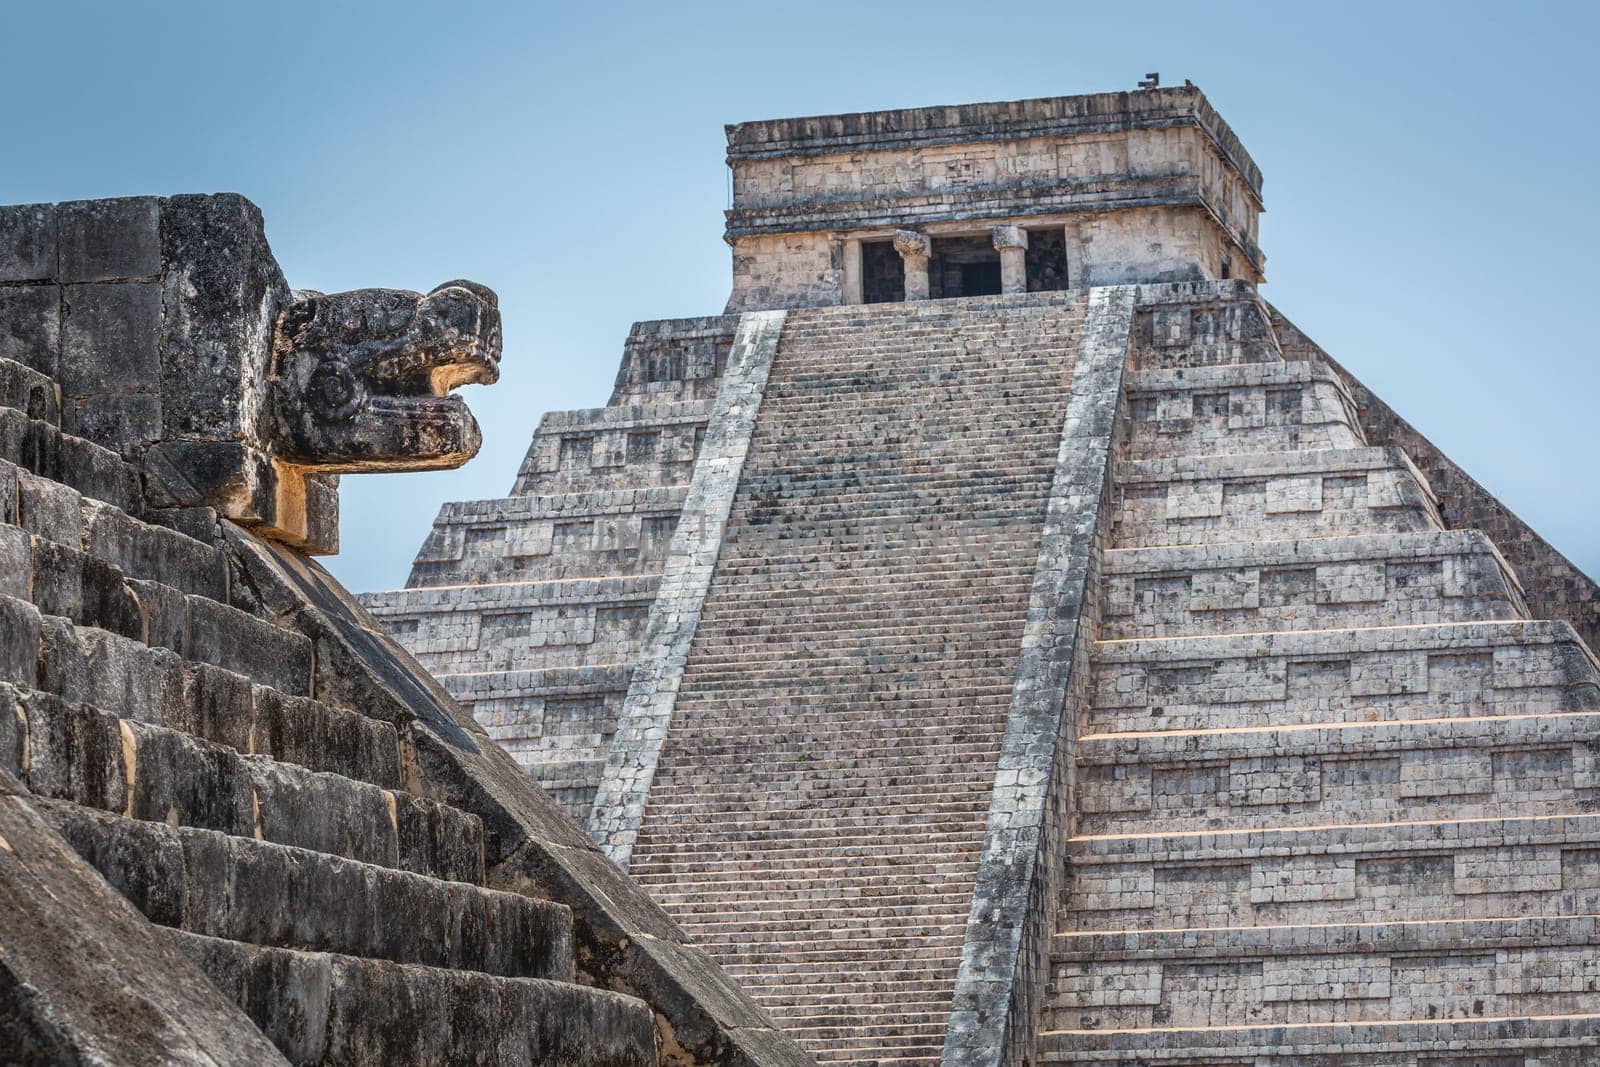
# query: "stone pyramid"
[[238, 824], [1002, 637]]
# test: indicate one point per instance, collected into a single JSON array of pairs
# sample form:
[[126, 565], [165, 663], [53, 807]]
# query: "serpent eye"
[[334, 392]]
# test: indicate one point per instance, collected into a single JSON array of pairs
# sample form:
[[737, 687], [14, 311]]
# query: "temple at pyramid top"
[[980, 199]]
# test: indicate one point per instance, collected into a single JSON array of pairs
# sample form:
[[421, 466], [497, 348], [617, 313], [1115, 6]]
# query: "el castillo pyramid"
[[1002, 637], [999, 638]]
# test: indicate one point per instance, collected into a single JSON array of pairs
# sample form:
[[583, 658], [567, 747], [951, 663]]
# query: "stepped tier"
[[1333, 792], [617, 447]]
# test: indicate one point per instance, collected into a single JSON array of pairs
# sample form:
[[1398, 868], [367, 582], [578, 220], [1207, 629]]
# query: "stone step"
[[1312, 584], [1381, 872], [1295, 678], [80, 585], [840, 763], [812, 796], [206, 882], [1274, 496], [41, 448], [574, 623], [794, 851], [623, 447], [1238, 410], [914, 714], [802, 910], [1356, 772], [141, 550], [325, 1008], [804, 865], [1287, 975], [576, 535], [842, 954], [155, 685], [1566, 1041], [65, 750]]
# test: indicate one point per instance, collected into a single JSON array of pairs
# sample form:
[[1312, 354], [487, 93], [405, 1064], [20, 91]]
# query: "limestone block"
[[1193, 501], [1515, 869], [1302, 880], [30, 325], [109, 240], [28, 243], [109, 338]]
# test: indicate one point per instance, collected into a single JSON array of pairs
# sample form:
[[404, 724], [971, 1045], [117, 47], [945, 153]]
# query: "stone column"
[[914, 248], [1076, 276], [1012, 244], [850, 290]]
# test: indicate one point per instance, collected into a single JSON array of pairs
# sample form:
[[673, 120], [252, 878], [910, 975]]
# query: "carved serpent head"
[[362, 380]]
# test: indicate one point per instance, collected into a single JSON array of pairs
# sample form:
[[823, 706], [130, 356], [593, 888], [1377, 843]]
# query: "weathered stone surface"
[[28, 243], [322, 1008], [109, 240], [30, 324], [76, 976], [212, 884]]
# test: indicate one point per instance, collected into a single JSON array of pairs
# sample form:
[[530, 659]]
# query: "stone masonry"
[[1004, 638], [237, 823]]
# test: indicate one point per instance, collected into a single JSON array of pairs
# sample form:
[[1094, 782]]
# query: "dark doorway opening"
[[883, 273], [963, 266], [1047, 260]]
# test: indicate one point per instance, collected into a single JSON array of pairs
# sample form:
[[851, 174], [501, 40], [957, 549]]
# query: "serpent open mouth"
[[366, 380]]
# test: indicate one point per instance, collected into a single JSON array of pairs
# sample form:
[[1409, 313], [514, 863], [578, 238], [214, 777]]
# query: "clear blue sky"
[[1429, 172]]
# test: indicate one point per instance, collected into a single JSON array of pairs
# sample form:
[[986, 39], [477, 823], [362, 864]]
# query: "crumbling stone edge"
[[691, 559], [1005, 957]]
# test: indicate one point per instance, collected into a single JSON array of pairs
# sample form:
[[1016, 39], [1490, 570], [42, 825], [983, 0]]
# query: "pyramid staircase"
[[168, 733], [1336, 792], [820, 799]]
